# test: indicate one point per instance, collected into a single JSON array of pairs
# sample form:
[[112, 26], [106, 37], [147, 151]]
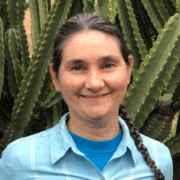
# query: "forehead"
[[90, 43]]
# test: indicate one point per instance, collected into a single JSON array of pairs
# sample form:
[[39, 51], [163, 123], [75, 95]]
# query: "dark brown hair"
[[89, 21]]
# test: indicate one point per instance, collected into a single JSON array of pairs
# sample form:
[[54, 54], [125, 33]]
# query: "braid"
[[139, 143]]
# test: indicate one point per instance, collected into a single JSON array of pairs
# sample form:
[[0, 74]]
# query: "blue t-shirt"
[[53, 154], [98, 152]]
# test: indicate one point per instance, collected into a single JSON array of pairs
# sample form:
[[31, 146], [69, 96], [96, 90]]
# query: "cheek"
[[118, 80], [70, 83]]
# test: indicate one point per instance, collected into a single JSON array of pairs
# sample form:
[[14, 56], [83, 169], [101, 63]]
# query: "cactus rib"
[[153, 14], [173, 81], [14, 50], [158, 85], [35, 23], [11, 74], [162, 10], [12, 7], [154, 128], [169, 6], [23, 37], [43, 12], [131, 32], [146, 82], [176, 96], [105, 9], [24, 48], [46, 90], [21, 10], [174, 145], [31, 63], [55, 99], [178, 6], [88, 6], [7, 134], [173, 2], [165, 131], [51, 94], [75, 8], [37, 70]]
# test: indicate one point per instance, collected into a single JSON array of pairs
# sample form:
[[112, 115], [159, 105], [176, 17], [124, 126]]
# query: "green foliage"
[[154, 15], [12, 13], [106, 8], [131, 32], [35, 21], [14, 50], [28, 84], [154, 72], [174, 145]]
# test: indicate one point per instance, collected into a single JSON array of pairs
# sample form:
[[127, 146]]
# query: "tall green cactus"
[[106, 8], [12, 5], [147, 86], [11, 74], [131, 32], [35, 21], [14, 49], [23, 37], [30, 89], [156, 71]]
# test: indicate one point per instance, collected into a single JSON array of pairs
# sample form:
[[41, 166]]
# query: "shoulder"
[[155, 146], [25, 143], [160, 154], [20, 155]]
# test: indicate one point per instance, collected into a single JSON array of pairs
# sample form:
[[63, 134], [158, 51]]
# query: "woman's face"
[[93, 76]]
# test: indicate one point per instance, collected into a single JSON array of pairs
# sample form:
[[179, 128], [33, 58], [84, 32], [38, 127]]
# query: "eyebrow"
[[114, 58]]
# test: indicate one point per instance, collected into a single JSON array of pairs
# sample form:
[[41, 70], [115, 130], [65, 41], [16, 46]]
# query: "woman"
[[91, 67]]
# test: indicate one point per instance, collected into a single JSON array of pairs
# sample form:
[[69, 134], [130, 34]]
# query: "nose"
[[94, 81]]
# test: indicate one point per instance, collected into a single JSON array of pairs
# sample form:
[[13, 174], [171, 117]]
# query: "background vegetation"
[[151, 28]]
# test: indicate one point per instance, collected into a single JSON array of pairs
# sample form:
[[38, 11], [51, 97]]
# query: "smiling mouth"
[[94, 97]]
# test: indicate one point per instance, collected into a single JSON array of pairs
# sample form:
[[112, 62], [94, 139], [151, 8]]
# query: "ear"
[[130, 66], [54, 78]]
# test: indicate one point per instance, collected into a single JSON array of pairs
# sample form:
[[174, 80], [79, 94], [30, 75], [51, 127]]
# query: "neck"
[[103, 133]]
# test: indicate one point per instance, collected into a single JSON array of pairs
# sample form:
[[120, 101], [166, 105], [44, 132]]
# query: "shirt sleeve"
[[7, 171], [168, 171]]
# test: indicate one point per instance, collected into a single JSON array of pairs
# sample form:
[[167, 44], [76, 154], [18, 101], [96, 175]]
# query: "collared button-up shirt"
[[52, 155]]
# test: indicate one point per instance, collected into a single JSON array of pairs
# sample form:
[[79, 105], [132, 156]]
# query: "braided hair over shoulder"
[[139, 143]]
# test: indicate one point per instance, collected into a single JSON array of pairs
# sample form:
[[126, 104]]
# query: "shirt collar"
[[61, 141], [126, 142]]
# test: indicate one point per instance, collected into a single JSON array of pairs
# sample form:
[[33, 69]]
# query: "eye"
[[76, 68], [107, 65]]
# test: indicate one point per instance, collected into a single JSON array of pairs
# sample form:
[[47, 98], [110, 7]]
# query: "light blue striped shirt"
[[53, 155]]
